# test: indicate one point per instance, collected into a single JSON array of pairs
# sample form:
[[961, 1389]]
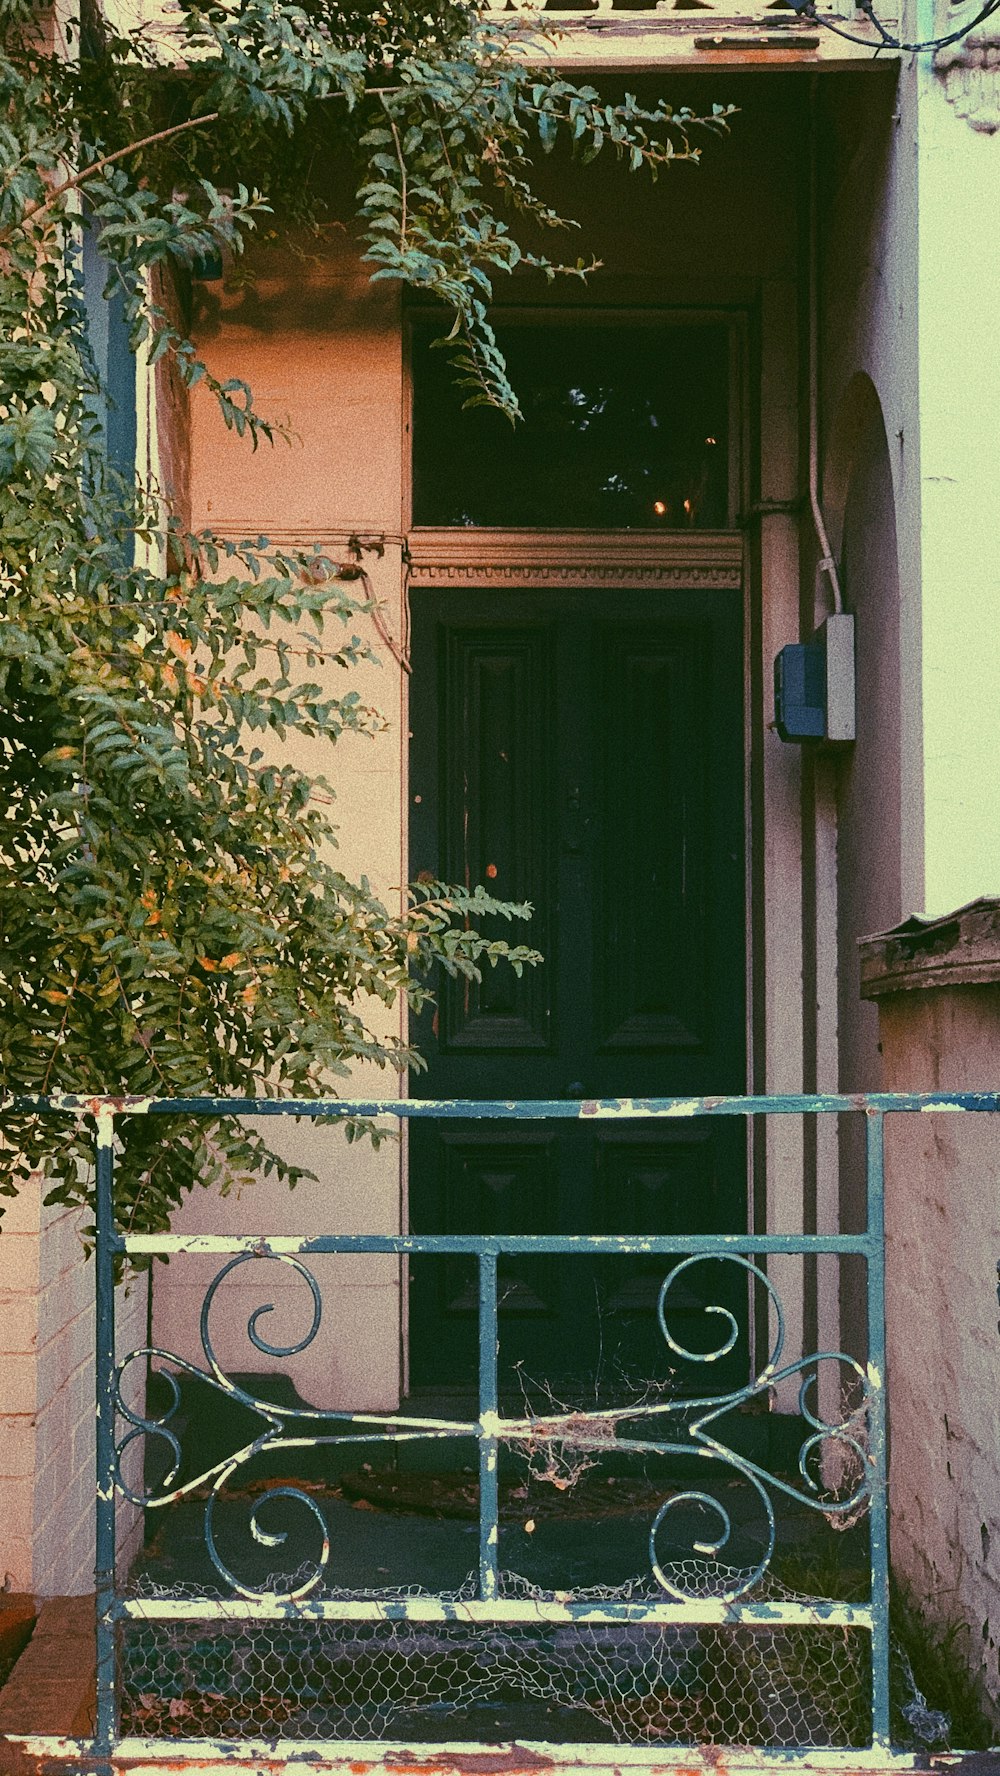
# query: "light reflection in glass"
[[625, 427]]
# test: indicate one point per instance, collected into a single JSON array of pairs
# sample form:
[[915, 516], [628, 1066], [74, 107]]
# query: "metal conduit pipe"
[[826, 564]]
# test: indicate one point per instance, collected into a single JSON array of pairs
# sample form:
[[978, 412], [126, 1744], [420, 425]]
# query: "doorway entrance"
[[581, 748]]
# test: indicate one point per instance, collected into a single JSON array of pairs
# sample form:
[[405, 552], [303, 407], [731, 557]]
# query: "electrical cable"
[[806, 9], [826, 563]]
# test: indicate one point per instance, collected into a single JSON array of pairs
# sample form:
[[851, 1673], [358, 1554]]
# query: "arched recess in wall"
[[861, 512], [858, 487], [857, 420]]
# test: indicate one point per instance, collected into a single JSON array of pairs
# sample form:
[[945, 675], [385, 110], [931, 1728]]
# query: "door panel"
[[652, 942], [583, 751], [490, 1181], [498, 742]]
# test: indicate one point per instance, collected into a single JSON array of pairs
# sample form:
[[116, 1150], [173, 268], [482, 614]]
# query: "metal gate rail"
[[302, 1602]]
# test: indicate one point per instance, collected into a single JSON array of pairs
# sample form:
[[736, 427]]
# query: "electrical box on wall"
[[814, 684]]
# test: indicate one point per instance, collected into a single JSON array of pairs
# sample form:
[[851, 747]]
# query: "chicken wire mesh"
[[625, 1683]]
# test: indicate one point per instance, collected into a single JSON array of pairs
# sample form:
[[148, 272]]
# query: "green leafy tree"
[[171, 922]]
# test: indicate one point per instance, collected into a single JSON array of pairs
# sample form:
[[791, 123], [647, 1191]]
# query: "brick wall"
[[47, 1399], [938, 995]]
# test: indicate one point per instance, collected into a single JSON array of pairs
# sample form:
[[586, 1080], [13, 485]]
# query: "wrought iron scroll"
[[308, 1422], [847, 1433], [286, 1427]]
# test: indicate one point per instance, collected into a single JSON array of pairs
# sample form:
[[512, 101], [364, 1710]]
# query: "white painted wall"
[[958, 227], [911, 257]]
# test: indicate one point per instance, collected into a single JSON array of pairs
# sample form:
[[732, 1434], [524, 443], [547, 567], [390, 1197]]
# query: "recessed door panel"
[[652, 848], [497, 732]]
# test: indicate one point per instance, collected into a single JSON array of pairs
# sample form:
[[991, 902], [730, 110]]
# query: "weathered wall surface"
[[910, 439], [943, 1244], [943, 1213], [869, 808], [869, 390], [322, 350], [863, 860], [47, 1398], [870, 775], [908, 188]]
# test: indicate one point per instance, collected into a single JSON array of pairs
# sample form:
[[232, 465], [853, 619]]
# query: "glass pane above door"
[[626, 427]]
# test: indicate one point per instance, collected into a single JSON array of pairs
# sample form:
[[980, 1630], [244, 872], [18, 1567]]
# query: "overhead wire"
[[807, 9]]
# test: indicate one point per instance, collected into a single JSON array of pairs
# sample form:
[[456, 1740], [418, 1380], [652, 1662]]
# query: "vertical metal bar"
[[489, 1418], [104, 1368], [878, 1518]]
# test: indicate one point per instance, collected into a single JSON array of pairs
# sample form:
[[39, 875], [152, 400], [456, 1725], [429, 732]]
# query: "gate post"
[[104, 1370], [879, 1528]]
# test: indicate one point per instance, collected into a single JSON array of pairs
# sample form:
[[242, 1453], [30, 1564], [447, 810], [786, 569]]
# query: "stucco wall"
[[958, 181], [868, 279], [863, 809], [910, 407], [322, 350], [870, 815], [870, 774], [911, 269]]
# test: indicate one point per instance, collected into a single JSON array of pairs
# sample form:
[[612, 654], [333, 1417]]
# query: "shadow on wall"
[[860, 501]]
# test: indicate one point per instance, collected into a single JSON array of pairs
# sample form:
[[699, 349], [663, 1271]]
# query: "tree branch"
[[97, 166], [401, 162]]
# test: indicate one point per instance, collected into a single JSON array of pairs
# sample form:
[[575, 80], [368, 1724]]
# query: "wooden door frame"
[[763, 558], [483, 560]]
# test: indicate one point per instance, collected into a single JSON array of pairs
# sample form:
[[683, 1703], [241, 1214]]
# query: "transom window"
[[626, 427]]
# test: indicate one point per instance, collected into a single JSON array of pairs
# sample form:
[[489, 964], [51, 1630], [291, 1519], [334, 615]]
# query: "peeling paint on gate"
[[296, 1429]]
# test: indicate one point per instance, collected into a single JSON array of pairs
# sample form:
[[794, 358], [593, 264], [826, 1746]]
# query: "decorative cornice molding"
[[533, 576], [539, 559], [970, 70]]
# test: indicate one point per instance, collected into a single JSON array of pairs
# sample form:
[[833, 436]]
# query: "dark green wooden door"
[[584, 751]]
